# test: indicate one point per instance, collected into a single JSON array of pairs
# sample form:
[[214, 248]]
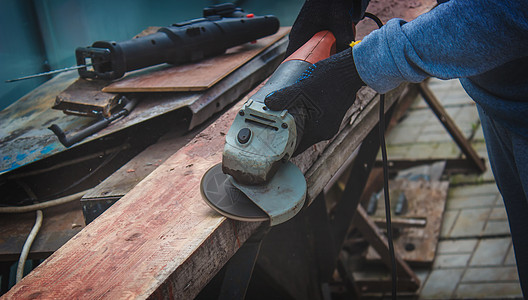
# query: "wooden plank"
[[451, 127], [133, 172], [142, 245], [376, 239], [113, 188], [417, 245], [162, 230], [85, 98], [197, 76]]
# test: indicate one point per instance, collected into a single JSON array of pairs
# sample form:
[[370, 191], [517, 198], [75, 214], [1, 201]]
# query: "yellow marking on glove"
[[354, 43]]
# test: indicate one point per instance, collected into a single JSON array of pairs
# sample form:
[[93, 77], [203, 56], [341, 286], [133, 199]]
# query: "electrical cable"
[[108, 159], [386, 194], [42, 205], [31, 237], [386, 179], [374, 18], [27, 246]]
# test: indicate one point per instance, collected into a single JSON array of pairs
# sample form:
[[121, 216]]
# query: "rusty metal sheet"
[[25, 136]]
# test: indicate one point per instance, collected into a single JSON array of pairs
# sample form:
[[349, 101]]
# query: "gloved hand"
[[338, 16], [320, 98]]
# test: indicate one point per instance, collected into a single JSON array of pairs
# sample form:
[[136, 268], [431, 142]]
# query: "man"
[[482, 42]]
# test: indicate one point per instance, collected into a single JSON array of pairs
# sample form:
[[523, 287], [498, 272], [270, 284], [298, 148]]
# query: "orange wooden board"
[[197, 76]]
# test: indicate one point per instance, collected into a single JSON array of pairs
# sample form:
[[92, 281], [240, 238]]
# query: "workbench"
[[33, 159], [158, 238], [161, 239]]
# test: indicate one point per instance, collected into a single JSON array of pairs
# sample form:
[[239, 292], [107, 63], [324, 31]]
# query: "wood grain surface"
[[162, 230], [161, 240], [85, 98], [196, 76]]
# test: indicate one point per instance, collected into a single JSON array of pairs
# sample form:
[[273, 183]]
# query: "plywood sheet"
[[197, 76], [417, 245]]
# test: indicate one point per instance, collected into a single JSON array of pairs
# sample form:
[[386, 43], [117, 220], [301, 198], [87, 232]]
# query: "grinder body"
[[256, 181], [260, 140]]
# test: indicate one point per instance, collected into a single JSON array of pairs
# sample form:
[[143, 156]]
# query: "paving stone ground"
[[475, 257]]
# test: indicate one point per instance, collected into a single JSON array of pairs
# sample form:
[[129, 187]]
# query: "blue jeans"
[[508, 155]]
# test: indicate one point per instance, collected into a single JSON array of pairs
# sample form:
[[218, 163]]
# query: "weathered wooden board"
[[388, 9], [417, 245], [159, 239], [197, 76], [113, 188], [142, 245], [85, 98]]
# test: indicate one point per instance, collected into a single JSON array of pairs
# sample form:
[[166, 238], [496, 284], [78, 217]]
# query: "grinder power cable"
[[256, 181]]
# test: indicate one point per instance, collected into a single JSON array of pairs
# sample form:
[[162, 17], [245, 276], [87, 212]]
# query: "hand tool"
[[222, 26], [256, 181]]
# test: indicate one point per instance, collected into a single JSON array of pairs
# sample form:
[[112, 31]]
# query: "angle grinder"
[[256, 181]]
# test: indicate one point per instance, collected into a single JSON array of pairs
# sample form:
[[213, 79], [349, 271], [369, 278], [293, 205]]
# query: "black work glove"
[[338, 16], [320, 98]]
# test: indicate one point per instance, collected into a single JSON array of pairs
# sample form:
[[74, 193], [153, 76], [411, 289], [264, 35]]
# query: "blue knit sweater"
[[482, 42]]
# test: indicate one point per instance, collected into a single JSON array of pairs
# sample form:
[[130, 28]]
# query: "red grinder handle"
[[320, 46]]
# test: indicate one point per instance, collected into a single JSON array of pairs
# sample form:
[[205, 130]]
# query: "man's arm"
[[459, 38]]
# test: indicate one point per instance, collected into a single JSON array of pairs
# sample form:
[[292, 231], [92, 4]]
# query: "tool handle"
[[68, 141], [319, 47], [95, 127]]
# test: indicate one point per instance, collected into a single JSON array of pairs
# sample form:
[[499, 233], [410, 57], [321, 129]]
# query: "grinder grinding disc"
[[221, 195], [277, 201]]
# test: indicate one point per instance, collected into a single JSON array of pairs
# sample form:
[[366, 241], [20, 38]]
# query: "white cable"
[[38, 206], [38, 223], [27, 246]]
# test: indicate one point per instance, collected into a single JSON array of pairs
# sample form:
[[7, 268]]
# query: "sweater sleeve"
[[457, 39]]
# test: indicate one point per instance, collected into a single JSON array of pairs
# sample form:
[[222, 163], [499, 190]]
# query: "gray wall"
[[39, 35]]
